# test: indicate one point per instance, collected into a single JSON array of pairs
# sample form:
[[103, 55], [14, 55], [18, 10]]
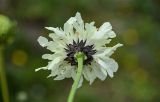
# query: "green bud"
[[5, 25]]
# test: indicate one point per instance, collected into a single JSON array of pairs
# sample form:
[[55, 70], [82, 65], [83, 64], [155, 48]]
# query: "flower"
[[80, 37]]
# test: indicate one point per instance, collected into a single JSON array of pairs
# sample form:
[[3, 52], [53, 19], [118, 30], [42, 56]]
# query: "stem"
[[80, 58], [3, 80]]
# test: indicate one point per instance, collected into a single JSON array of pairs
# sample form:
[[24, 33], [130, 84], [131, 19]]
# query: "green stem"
[[80, 58], [3, 80]]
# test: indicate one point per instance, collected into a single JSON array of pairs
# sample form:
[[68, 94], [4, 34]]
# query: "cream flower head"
[[80, 37]]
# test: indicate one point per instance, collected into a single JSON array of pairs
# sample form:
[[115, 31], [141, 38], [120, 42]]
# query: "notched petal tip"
[[47, 56], [116, 46], [54, 62], [71, 20], [56, 30], [49, 76], [109, 51], [48, 28], [38, 69], [79, 19], [105, 30], [112, 34], [59, 77], [42, 41], [78, 14], [109, 65], [119, 44]]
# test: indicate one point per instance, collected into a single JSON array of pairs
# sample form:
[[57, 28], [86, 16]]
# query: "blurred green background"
[[137, 24]]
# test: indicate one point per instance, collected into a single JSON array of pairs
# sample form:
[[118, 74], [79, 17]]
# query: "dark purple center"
[[79, 46]]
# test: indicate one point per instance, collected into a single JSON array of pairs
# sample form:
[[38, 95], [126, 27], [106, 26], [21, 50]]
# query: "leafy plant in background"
[[80, 51]]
